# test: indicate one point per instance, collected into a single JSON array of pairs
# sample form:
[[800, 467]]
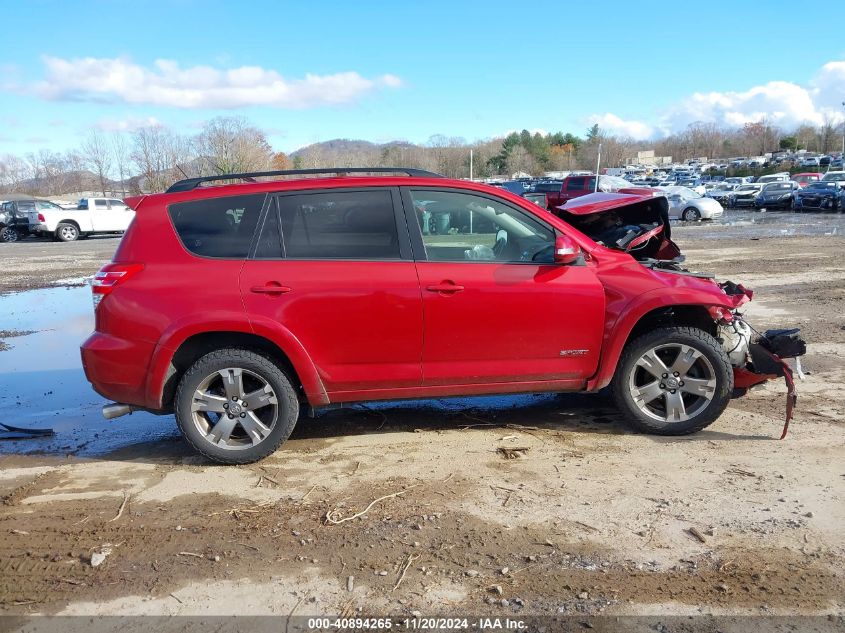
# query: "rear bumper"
[[117, 367]]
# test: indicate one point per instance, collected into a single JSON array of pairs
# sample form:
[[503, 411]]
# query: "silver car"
[[686, 204]]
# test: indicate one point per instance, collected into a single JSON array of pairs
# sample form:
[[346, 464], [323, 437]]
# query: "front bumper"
[[766, 360]]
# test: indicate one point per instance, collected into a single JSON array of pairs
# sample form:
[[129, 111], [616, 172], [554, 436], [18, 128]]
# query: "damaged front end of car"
[[639, 225], [757, 358]]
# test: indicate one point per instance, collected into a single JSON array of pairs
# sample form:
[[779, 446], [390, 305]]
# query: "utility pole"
[[598, 165], [470, 167], [843, 132]]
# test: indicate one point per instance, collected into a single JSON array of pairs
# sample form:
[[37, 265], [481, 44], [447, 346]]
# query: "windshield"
[[612, 183], [834, 175]]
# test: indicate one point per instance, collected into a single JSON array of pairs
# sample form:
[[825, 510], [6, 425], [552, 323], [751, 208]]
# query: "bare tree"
[[97, 153], [152, 154], [230, 145], [120, 153]]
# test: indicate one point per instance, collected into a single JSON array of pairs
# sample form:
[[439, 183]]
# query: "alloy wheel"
[[234, 408], [672, 382]]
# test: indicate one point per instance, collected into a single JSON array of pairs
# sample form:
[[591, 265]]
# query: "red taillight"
[[41, 217], [111, 275]]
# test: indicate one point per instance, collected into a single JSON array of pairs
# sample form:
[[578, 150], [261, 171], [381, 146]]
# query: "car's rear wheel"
[[691, 214], [673, 381], [236, 406], [9, 234], [67, 232]]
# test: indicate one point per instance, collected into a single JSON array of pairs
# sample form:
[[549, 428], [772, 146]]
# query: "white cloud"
[[783, 103], [128, 124], [168, 84], [616, 125]]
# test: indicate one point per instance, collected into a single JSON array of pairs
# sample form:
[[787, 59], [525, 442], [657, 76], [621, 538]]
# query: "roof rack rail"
[[189, 184]]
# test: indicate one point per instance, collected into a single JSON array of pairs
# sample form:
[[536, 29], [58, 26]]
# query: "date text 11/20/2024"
[[416, 624]]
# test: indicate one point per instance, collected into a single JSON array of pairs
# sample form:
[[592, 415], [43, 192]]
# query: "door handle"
[[445, 287], [271, 288]]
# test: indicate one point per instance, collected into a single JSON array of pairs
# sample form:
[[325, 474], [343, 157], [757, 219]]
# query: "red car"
[[559, 192], [236, 306], [806, 178]]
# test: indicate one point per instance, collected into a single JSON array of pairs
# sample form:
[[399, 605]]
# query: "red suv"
[[236, 306]]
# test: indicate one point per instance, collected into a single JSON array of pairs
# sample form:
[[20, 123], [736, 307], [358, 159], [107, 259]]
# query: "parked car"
[[781, 177], [806, 178], [319, 286], [15, 216], [579, 185], [835, 176], [92, 216], [776, 195], [810, 161], [836, 163], [721, 192], [825, 195], [689, 205], [514, 186], [744, 195]]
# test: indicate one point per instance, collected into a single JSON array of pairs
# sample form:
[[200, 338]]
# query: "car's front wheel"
[[673, 381], [236, 406]]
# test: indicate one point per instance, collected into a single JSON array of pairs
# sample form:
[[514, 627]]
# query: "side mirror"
[[566, 251]]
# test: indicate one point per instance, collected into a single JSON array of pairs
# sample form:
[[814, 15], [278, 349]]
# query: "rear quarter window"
[[217, 227]]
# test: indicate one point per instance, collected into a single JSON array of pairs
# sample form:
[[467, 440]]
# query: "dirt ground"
[[589, 519]]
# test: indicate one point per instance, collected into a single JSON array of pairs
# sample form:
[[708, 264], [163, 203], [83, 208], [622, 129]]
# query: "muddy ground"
[[590, 519]]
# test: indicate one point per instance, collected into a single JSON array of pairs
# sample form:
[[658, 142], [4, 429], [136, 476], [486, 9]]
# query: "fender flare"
[[229, 321], [616, 334]]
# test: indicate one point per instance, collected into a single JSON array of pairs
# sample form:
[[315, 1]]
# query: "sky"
[[305, 72]]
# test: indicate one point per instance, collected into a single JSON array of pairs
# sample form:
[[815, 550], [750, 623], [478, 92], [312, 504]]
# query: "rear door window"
[[218, 227], [339, 225], [575, 184]]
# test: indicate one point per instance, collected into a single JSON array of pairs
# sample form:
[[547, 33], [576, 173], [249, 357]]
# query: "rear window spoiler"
[[133, 202]]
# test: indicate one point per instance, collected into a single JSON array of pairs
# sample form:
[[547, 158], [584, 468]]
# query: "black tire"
[[691, 214], [9, 234], [67, 232], [700, 341], [287, 405]]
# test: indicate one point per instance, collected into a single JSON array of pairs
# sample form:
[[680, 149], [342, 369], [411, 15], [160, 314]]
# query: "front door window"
[[459, 227]]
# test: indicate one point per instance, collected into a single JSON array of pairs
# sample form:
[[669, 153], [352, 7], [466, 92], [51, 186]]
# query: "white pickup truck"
[[91, 216]]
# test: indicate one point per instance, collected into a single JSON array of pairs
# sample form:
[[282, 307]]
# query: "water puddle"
[[42, 384], [757, 224]]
